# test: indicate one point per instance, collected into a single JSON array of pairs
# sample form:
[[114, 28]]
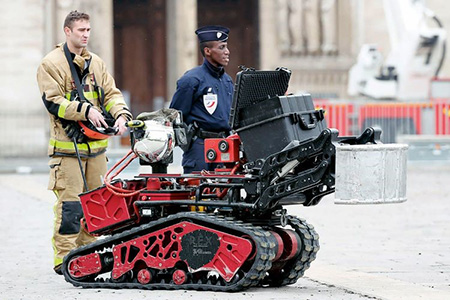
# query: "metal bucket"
[[371, 174]]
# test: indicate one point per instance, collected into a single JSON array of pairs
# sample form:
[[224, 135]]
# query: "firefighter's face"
[[78, 35], [218, 54]]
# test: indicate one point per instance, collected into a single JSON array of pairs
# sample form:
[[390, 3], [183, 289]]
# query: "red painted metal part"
[[179, 277], [103, 209], [229, 154], [280, 245], [144, 276], [85, 265], [153, 184], [291, 244], [162, 195], [161, 250]]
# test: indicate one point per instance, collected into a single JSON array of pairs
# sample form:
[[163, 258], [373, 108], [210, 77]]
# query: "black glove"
[[73, 130]]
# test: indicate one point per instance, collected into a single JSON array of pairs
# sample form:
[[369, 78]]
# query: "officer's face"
[[78, 35], [218, 53]]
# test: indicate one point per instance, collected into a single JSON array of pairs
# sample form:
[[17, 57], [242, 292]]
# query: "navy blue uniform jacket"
[[191, 88], [188, 98]]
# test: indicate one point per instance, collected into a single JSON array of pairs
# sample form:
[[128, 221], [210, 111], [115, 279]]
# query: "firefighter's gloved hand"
[[73, 130], [70, 130]]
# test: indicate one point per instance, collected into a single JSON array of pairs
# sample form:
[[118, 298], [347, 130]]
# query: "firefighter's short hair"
[[74, 16]]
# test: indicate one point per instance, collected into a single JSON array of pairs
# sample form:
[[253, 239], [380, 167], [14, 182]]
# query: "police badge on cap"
[[212, 33]]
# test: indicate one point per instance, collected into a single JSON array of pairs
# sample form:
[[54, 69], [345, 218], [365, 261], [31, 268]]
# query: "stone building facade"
[[149, 44]]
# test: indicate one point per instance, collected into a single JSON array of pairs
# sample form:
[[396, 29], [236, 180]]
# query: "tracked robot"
[[226, 230]]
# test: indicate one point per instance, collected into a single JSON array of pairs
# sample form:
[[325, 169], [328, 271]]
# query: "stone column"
[[328, 15], [312, 26], [182, 46], [269, 33]]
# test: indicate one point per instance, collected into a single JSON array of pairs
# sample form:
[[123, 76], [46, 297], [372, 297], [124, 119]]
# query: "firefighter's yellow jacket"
[[56, 85]]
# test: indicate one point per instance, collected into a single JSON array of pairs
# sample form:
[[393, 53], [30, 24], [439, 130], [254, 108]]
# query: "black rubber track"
[[295, 268]]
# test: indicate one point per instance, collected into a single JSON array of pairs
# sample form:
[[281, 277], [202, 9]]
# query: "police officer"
[[204, 96]]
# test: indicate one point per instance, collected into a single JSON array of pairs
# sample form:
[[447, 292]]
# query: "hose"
[[121, 192]]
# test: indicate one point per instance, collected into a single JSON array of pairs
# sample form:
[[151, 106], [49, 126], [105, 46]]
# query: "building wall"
[[315, 42], [23, 128]]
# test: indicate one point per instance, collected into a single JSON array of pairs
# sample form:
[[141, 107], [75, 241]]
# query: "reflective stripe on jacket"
[[93, 146]]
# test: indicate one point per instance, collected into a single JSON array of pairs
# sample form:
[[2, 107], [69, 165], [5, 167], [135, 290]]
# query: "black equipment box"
[[277, 122], [267, 121]]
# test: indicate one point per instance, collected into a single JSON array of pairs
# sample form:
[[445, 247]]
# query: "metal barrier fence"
[[442, 116], [394, 118]]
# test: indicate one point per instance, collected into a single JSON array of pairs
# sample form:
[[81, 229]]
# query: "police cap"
[[212, 33]]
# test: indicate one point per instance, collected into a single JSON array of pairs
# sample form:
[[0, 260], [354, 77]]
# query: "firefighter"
[[204, 96], [61, 96]]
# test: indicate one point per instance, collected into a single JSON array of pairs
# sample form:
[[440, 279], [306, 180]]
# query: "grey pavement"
[[395, 251], [38, 165]]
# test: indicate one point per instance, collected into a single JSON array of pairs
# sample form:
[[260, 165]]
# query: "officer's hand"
[[120, 124], [96, 118]]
